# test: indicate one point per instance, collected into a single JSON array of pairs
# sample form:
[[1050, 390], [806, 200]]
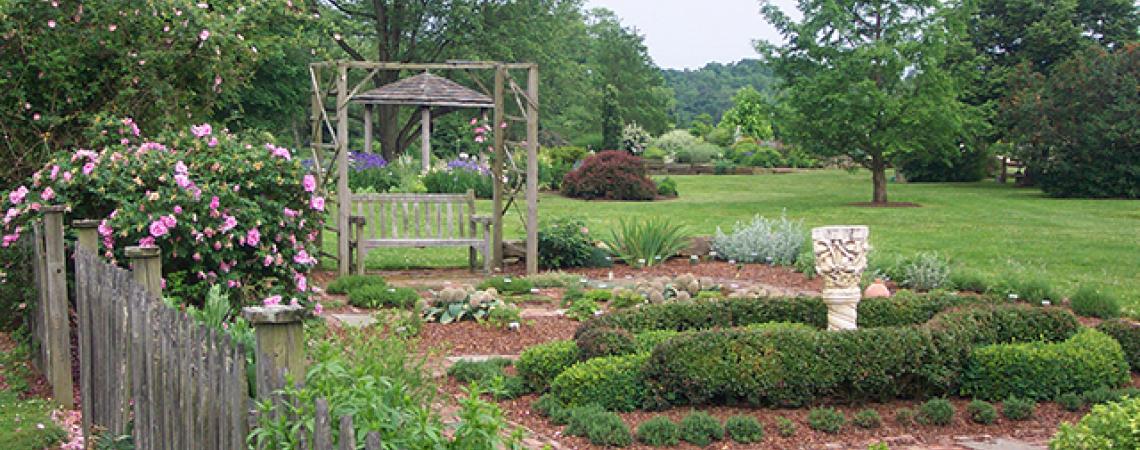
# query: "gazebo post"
[[425, 137], [368, 128], [497, 169]]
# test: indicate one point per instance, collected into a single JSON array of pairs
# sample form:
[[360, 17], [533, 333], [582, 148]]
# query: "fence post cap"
[[276, 314], [85, 223], [135, 252], [54, 209]]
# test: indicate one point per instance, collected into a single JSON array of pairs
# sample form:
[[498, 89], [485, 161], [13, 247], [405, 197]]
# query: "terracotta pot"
[[877, 290]]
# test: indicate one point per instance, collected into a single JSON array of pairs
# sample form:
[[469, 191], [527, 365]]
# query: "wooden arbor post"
[[532, 170], [343, 194], [497, 169]]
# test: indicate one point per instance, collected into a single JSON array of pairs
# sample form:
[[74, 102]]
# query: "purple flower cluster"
[[466, 164], [364, 161]]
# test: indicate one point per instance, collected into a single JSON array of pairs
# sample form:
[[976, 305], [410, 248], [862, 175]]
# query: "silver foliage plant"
[[775, 241], [926, 271]]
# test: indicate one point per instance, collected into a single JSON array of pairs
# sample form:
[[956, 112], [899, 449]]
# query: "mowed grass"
[[998, 230]]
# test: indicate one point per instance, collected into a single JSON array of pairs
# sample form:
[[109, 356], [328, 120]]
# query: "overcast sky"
[[690, 33]]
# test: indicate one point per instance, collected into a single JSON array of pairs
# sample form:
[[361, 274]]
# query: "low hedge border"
[[540, 364], [614, 382], [1128, 335], [1043, 370]]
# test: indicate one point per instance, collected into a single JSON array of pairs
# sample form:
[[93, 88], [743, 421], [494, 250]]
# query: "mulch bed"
[[470, 338]]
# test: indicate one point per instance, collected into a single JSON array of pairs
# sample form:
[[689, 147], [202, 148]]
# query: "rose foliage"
[[222, 209]]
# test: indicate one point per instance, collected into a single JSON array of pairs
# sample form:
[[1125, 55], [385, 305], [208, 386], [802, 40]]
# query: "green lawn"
[[987, 227]]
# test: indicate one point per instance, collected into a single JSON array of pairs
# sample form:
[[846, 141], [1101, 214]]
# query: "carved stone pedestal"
[[840, 257]]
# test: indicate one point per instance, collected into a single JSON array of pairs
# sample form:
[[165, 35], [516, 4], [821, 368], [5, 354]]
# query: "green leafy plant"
[[598, 342], [1042, 370], [1088, 301], [609, 430], [1111, 426], [1127, 334], [482, 424], [936, 411], [701, 429], [579, 418], [906, 416], [547, 405], [502, 316], [1018, 408], [969, 280], [347, 283], [659, 431], [867, 418], [540, 364], [554, 279], [614, 382], [482, 372], [453, 305], [507, 285], [785, 427], [667, 187], [981, 411], [1071, 401], [27, 424], [827, 420], [564, 243], [744, 429], [583, 310], [644, 243], [380, 295]]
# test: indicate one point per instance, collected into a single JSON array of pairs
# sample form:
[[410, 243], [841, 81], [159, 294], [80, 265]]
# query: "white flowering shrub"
[[773, 241]]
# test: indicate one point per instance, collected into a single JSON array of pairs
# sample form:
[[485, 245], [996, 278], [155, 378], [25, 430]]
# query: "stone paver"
[[1000, 444], [355, 320]]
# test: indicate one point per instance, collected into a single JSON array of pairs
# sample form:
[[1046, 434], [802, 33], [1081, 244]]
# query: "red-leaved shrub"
[[610, 175]]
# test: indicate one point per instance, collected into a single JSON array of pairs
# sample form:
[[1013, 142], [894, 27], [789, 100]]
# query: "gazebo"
[[342, 80], [425, 91]]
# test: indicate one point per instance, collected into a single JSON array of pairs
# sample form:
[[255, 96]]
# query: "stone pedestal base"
[[842, 307]]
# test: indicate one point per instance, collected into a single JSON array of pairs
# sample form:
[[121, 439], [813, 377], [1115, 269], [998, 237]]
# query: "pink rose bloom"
[[318, 203], [214, 202], [177, 209], [146, 242], [9, 240], [202, 130], [213, 142], [289, 212], [169, 221], [301, 282], [180, 168], [67, 177], [272, 301], [124, 141], [228, 223], [232, 283], [474, 120], [47, 194], [88, 168], [309, 182], [197, 256], [268, 261], [217, 246], [105, 229], [17, 196], [182, 181], [34, 206], [54, 172], [203, 35], [148, 146], [158, 229], [318, 308], [302, 257], [253, 237], [223, 267]]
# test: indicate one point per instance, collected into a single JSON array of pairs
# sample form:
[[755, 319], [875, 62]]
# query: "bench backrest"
[[416, 216]]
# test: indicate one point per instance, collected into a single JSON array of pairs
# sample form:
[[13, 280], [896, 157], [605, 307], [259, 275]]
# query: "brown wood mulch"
[[470, 338]]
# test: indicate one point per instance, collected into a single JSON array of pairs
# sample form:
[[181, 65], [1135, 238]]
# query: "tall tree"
[[618, 57], [611, 119], [869, 79], [709, 90], [751, 112]]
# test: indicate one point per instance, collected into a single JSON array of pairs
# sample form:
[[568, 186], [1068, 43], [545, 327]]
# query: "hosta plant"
[[457, 304]]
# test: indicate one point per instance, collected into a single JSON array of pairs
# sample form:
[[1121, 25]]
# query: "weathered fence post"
[[59, 329], [89, 241], [280, 336], [146, 265]]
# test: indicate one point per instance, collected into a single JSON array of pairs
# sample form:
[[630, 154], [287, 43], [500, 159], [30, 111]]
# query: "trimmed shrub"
[[599, 342], [610, 175], [608, 430], [981, 411], [1017, 408], [345, 284], [614, 382], [1110, 426], [936, 411], [772, 241], [667, 187], [659, 432], [579, 418], [766, 157], [906, 308], [646, 341], [744, 429], [1093, 303], [701, 429], [969, 280], [867, 418], [1039, 370], [507, 285], [479, 371], [785, 427], [1027, 287], [675, 141], [564, 243], [1101, 395], [538, 365], [827, 420], [906, 416], [378, 295], [547, 405], [1128, 335], [705, 314], [1005, 323], [1071, 401]]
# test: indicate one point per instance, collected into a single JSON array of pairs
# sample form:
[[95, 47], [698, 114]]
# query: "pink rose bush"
[[236, 214]]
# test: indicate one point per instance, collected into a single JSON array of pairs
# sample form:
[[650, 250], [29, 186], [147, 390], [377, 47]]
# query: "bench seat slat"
[[378, 243]]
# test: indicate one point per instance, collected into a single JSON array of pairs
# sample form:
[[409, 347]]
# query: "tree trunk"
[[879, 180], [389, 131]]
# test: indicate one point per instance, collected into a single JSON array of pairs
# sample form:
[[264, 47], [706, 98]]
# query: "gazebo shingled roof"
[[425, 89]]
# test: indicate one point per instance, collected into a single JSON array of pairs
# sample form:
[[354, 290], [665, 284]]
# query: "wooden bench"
[[419, 220]]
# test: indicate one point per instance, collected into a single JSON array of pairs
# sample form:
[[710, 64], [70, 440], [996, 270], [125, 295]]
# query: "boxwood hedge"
[[1128, 335], [1043, 370], [538, 365], [614, 382]]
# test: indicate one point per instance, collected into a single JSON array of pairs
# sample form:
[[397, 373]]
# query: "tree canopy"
[[710, 89]]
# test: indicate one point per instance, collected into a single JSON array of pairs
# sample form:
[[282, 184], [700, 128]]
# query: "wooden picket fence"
[[48, 316]]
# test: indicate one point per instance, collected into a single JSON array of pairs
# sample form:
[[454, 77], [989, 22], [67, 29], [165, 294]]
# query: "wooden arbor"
[[345, 80]]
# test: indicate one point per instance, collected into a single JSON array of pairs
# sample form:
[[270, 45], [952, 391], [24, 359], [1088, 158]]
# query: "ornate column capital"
[[840, 258]]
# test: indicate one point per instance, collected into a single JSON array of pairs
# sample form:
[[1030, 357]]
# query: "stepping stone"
[[478, 358], [1000, 444], [355, 320], [530, 313]]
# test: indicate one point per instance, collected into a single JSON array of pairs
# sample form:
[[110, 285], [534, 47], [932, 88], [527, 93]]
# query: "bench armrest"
[[356, 220], [485, 220]]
